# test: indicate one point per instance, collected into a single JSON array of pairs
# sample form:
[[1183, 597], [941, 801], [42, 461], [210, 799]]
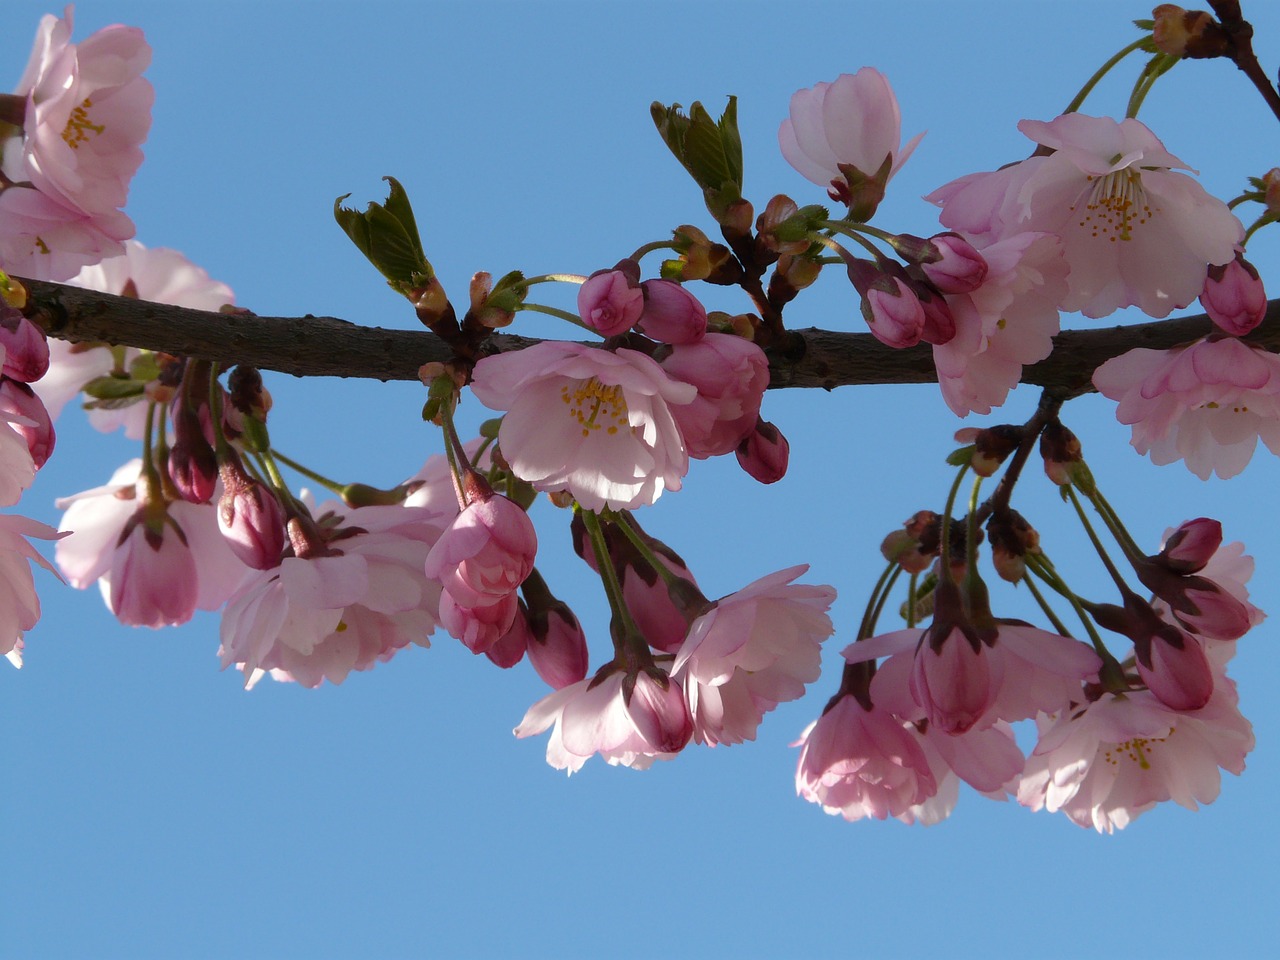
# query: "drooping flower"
[[846, 136], [750, 651], [589, 718], [1134, 231], [595, 423], [19, 604], [1207, 404]]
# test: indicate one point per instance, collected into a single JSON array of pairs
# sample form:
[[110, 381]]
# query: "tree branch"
[[327, 347]]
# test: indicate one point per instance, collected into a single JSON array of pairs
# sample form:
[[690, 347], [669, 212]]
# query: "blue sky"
[[156, 809]]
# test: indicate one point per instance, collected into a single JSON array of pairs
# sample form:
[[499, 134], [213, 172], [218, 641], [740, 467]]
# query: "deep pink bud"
[[486, 553], [1191, 546], [251, 519], [558, 647], [1179, 673], [960, 269], [939, 324], [953, 683], [1234, 297], [479, 628], [660, 714], [892, 310], [1205, 608], [23, 344], [671, 313], [765, 453], [508, 650], [20, 400], [610, 302]]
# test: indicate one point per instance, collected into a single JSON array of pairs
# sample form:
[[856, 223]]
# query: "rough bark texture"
[[327, 347]]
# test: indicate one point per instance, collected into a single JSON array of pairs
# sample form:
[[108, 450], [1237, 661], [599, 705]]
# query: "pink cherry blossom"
[[1178, 672], [41, 239], [486, 552], [23, 346], [509, 649], [1233, 296], [17, 468], [751, 651], [557, 646], [1004, 324], [1192, 545], [588, 718], [671, 313], [1134, 231], [595, 423], [765, 453], [1107, 762], [88, 111], [860, 762], [350, 606], [841, 134], [479, 626], [17, 400], [610, 303], [960, 268], [731, 375], [19, 605], [1207, 404], [153, 580]]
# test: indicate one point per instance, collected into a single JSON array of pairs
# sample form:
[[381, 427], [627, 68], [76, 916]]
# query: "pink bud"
[[486, 553], [961, 268], [660, 714], [1179, 674], [765, 453], [939, 324], [1234, 297], [508, 650], [1191, 546], [20, 400], [153, 578], [479, 628], [1207, 609], [558, 647], [23, 346], [671, 313], [610, 302], [953, 683], [252, 521]]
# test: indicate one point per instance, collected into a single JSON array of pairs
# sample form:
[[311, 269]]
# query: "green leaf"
[[711, 150], [387, 234], [114, 388]]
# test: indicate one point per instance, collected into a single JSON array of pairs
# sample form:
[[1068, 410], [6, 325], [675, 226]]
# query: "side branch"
[[327, 347]]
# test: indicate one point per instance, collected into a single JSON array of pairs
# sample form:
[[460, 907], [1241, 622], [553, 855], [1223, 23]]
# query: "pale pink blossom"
[[1107, 762], [860, 762], [19, 604], [588, 718], [1230, 569], [88, 111], [1207, 404], [671, 313], [17, 468], [479, 626], [731, 375], [153, 578], [29, 418], [43, 240], [1004, 324], [1233, 296], [1134, 231], [750, 651], [486, 552], [610, 302], [351, 605], [592, 422], [846, 136]]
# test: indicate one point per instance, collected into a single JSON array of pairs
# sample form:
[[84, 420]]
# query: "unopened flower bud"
[[558, 646], [1188, 33], [1060, 449], [671, 313], [23, 346], [250, 518], [782, 227], [939, 324], [489, 309], [1191, 546], [1173, 665], [764, 454], [991, 445], [431, 304], [890, 307], [611, 301], [903, 549], [1011, 538], [1233, 296], [701, 259], [20, 400], [508, 649], [246, 392], [1271, 191], [659, 711]]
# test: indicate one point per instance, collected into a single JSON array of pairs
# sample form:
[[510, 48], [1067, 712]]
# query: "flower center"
[[1136, 750], [595, 406], [1117, 203], [79, 126]]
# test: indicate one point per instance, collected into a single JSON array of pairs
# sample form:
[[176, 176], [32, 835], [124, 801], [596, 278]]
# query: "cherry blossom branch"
[[327, 347], [1239, 31]]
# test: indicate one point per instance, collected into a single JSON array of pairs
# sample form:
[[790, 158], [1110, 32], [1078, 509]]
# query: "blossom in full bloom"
[[1134, 231], [592, 422], [588, 718], [846, 135], [353, 603], [1207, 404], [19, 605], [750, 651], [1107, 762]]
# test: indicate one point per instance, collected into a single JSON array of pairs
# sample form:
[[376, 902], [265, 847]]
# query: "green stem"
[[851, 231], [1118, 529], [624, 523], [612, 587], [331, 485], [971, 577], [884, 595], [651, 247], [912, 585], [1054, 582], [1156, 67], [1092, 82], [555, 312], [1044, 606], [944, 540], [875, 602], [554, 278], [1097, 543]]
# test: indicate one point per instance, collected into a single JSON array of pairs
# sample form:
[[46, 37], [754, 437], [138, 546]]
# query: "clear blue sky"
[[158, 810]]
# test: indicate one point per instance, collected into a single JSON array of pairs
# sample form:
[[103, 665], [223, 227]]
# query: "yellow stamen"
[[595, 406], [79, 126], [1116, 205]]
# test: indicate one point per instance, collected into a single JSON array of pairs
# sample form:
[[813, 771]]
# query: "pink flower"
[[43, 240], [1234, 297], [480, 626], [1174, 668], [23, 346], [610, 302], [751, 651], [17, 400], [765, 453], [731, 375], [251, 518], [557, 646], [1191, 546], [891, 308], [1207, 404], [589, 718], [19, 605], [960, 268], [846, 136], [17, 468], [1003, 325], [595, 423], [153, 581], [671, 313], [1109, 761], [88, 110], [1134, 232], [486, 552], [861, 762], [351, 605]]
